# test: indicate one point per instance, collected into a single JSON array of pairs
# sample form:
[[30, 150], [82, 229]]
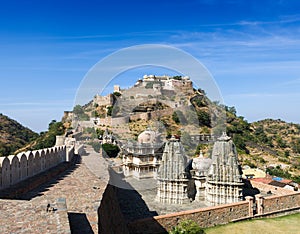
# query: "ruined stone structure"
[[141, 159], [172, 176], [224, 181], [107, 100]]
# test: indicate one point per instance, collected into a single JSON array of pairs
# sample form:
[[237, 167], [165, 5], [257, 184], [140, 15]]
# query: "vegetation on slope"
[[268, 143], [46, 139], [272, 144], [13, 135]]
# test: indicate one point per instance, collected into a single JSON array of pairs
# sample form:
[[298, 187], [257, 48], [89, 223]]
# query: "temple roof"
[[201, 163], [148, 136]]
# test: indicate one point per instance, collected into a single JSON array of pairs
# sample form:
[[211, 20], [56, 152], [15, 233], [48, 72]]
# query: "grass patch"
[[285, 224]]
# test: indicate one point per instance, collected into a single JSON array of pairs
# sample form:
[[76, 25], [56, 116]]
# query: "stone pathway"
[[82, 189]]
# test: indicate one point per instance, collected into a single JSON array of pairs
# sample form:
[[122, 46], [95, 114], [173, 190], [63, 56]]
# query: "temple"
[[172, 175], [224, 180], [213, 181], [141, 159]]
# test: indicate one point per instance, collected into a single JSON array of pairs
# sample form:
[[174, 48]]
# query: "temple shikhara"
[[224, 180], [172, 175]]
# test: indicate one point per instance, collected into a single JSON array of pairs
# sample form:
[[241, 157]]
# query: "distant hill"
[[45, 139], [269, 144], [13, 135]]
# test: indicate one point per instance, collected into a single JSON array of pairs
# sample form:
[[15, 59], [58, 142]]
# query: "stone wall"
[[16, 168], [277, 204], [104, 100], [205, 217], [151, 115], [212, 216], [110, 217]]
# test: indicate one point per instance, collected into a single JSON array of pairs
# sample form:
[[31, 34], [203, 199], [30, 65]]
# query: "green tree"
[[79, 112], [175, 117], [187, 227], [111, 150], [47, 140], [199, 101], [117, 94], [204, 118], [109, 110]]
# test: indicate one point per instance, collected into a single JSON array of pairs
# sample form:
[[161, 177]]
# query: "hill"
[[13, 135], [272, 145], [45, 139]]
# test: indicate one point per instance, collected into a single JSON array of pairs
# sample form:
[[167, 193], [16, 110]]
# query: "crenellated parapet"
[[15, 168]]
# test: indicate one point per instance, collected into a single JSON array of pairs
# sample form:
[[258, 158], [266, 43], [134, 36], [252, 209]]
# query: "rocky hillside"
[[267, 144], [271, 144], [13, 135]]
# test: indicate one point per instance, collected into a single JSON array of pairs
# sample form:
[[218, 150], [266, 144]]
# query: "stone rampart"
[[212, 216], [16, 168], [205, 217], [277, 204], [110, 217]]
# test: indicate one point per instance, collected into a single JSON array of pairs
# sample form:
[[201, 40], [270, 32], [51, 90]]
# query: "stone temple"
[[172, 176], [215, 181], [207, 180], [224, 180], [141, 159]]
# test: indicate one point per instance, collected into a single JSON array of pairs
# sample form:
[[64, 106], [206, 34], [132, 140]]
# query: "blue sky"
[[252, 49]]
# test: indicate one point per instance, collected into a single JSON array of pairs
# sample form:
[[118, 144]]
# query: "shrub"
[[175, 117], [111, 150], [204, 118], [187, 227]]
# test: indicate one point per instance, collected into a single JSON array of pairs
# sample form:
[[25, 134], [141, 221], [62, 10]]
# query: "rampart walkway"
[[81, 185]]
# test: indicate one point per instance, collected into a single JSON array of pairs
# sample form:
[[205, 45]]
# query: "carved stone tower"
[[224, 181], [172, 176]]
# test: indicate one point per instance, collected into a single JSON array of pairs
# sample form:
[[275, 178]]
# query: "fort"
[[70, 188], [112, 215], [16, 168]]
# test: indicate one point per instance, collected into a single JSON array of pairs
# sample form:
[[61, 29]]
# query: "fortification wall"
[[105, 121], [277, 204], [151, 115], [104, 100], [205, 217], [15, 168], [111, 219], [211, 216]]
